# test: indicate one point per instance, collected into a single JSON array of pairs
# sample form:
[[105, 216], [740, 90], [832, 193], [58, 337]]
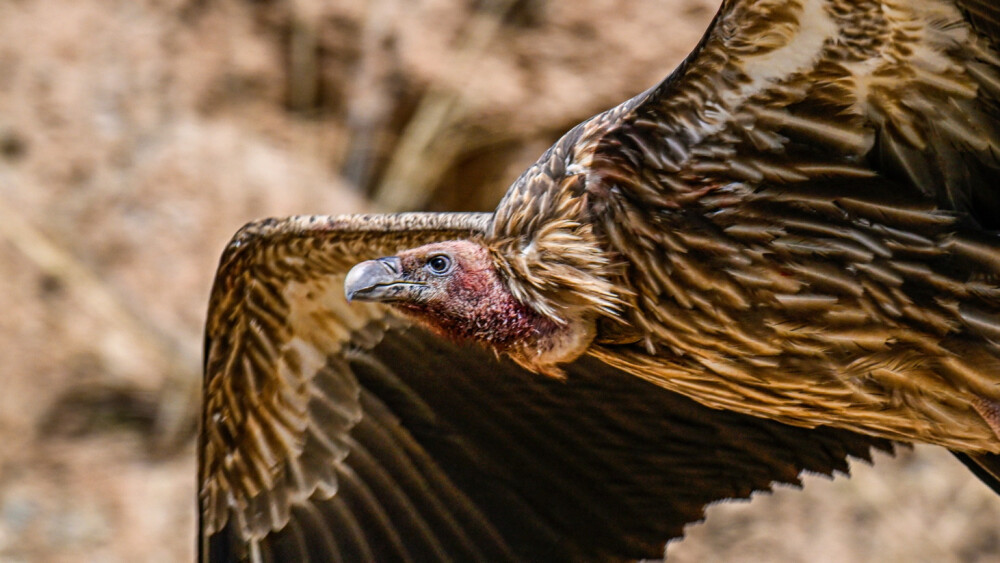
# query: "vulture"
[[783, 255]]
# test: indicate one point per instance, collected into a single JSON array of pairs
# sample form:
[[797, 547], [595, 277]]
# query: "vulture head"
[[540, 285], [460, 291]]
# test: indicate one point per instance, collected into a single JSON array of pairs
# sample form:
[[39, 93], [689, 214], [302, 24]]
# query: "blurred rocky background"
[[137, 135]]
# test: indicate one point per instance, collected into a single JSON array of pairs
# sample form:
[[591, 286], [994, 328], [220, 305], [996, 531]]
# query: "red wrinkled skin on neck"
[[477, 306]]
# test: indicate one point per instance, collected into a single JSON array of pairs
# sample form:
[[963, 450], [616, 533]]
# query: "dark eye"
[[439, 264]]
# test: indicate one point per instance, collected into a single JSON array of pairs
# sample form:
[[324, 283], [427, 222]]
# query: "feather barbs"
[[559, 269]]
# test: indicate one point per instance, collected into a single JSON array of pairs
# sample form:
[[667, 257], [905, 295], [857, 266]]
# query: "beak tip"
[[354, 280], [369, 280]]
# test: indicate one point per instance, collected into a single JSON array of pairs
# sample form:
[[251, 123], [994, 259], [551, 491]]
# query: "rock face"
[[136, 137]]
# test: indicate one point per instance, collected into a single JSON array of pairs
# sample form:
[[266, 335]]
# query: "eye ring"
[[439, 264]]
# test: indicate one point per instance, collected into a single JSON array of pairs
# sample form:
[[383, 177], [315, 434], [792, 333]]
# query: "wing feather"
[[460, 457], [771, 198], [783, 92], [278, 394], [983, 14]]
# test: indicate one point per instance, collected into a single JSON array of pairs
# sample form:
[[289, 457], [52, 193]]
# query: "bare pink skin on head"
[[471, 302], [455, 289]]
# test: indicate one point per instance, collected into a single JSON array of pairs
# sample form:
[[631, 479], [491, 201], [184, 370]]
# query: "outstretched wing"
[[278, 400], [804, 207], [336, 433]]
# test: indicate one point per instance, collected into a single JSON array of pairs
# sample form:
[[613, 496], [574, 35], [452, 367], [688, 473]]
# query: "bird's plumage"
[[341, 432], [804, 209], [797, 224]]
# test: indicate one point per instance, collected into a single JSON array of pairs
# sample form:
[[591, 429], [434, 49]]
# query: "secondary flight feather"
[[796, 226]]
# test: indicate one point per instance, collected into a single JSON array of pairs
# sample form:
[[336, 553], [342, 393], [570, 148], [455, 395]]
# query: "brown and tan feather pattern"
[[324, 440], [806, 211], [277, 398], [799, 224], [451, 455]]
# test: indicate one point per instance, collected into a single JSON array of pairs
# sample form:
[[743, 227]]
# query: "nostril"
[[391, 264]]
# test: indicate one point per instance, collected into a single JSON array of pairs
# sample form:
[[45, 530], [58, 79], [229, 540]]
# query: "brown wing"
[[784, 93], [804, 208], [277, 400], [324, 440]]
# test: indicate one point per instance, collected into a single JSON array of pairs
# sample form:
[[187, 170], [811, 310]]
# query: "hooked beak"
[[379, 280]]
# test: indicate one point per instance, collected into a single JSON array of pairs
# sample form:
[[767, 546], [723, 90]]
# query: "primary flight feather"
[[799, 224]]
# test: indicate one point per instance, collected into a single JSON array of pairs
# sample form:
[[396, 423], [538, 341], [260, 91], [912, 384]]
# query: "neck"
[[496, 320]]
